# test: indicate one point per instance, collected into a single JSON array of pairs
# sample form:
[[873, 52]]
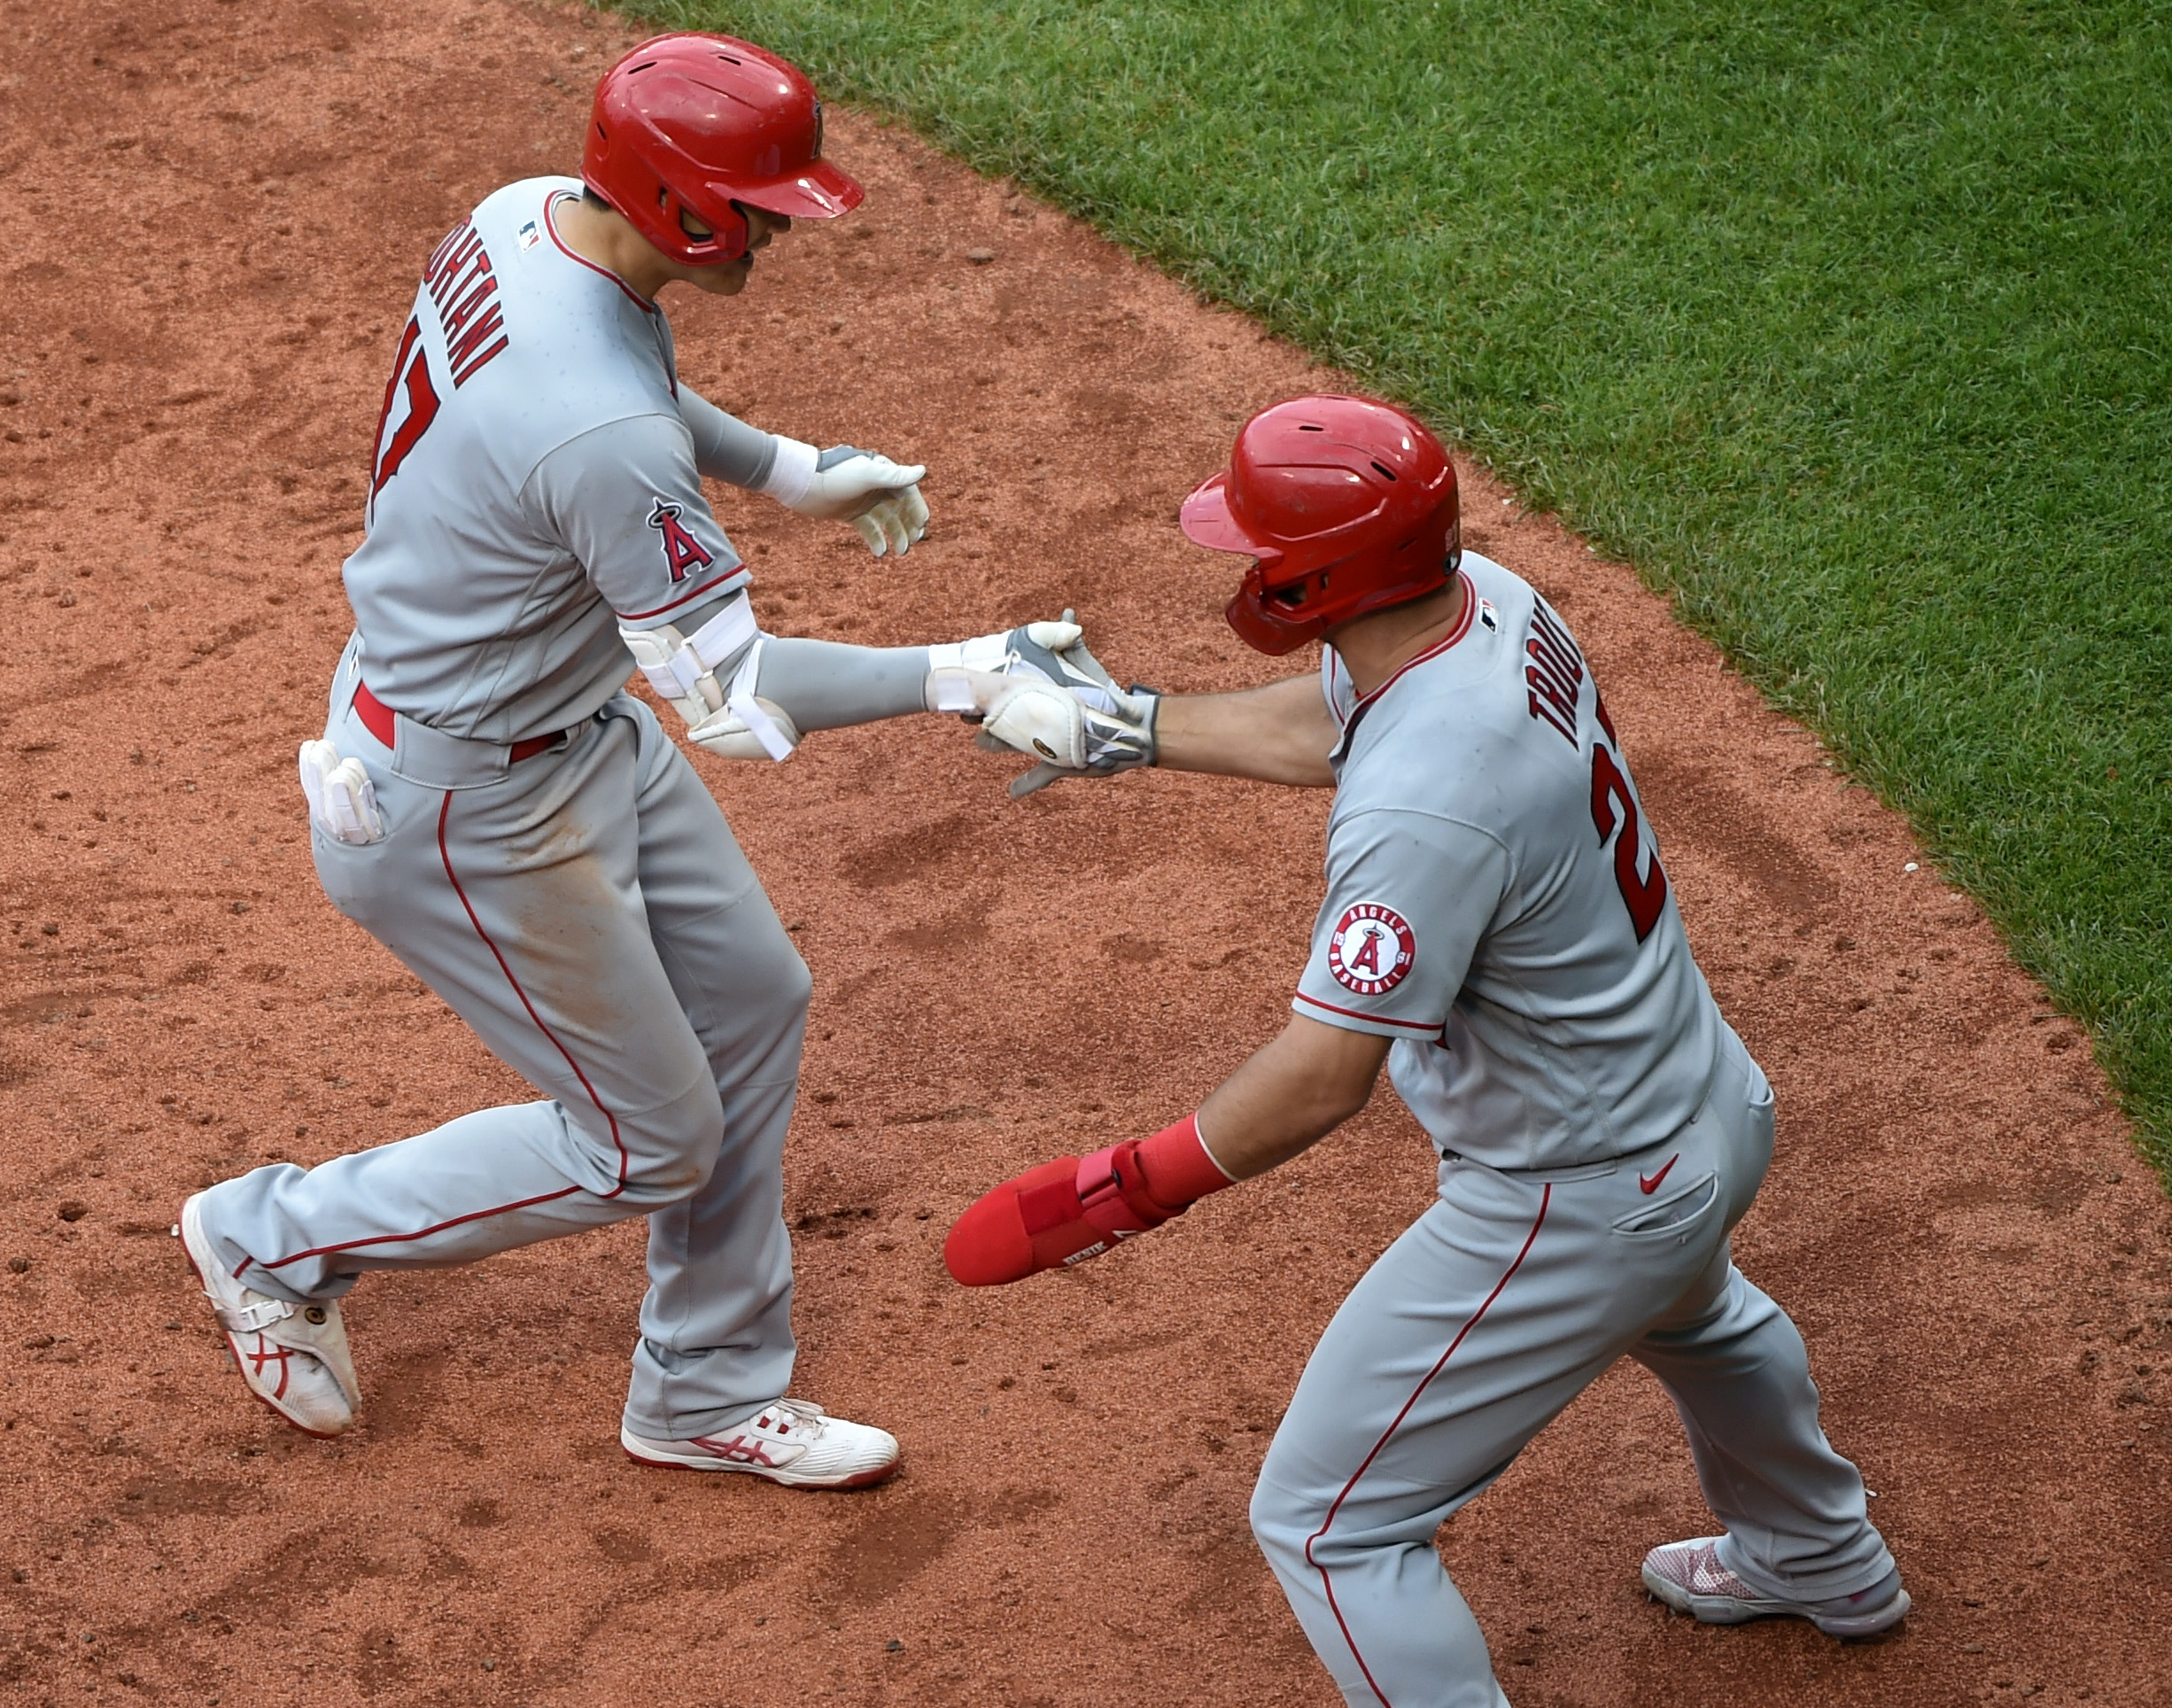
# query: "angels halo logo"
[[1372, 950], [682, 552]]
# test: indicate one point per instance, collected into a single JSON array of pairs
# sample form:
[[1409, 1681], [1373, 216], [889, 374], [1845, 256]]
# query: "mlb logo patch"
[[529, 236]]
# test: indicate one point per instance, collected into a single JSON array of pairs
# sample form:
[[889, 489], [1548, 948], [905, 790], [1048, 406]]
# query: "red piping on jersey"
[[1461, 628], [710, 590], [549, 201], [1545, 1197], [1378, 1020], [445, 854]]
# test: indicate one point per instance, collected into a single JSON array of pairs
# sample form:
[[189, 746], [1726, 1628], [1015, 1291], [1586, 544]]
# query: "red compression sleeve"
[[1177, 1165]]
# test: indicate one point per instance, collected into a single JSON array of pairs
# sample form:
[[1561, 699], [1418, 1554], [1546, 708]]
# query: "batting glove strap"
[[791, 471], [1113, 1195]]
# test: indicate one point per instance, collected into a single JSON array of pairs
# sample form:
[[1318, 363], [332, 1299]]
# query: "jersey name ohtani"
[[464, 288]]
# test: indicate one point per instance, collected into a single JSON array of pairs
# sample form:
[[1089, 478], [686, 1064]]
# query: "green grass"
[[1845, 324]]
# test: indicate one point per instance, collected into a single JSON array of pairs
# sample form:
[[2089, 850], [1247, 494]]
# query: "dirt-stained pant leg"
[[520, 904], [1507, 1299], [717, 1316]]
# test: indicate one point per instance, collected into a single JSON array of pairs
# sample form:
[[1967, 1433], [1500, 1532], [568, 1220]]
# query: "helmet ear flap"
[[727, 236]]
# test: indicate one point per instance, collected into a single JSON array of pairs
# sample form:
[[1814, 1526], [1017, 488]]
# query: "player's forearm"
[[1293, 1092], [829, 685], [725, 447], [1289, 1096], [1280, 733]]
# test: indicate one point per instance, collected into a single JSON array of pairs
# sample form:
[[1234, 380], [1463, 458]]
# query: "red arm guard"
[[1066, 1211]]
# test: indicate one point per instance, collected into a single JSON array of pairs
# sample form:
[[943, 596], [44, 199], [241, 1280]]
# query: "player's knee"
[[795, 988], [760, 1039], [1281, 1521], [672, 1151]]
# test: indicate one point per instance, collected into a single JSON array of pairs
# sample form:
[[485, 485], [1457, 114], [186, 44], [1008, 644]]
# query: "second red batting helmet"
[[1348, 506], [697, 122]]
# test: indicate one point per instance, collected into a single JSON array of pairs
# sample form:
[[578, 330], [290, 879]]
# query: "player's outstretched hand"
[[1059, 1214], [879, 498], [1036, 690], [1105, 729]]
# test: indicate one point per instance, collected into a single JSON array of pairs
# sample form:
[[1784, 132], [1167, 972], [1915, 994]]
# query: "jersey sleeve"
[[626, 500], [725, 447], [1409, 896]]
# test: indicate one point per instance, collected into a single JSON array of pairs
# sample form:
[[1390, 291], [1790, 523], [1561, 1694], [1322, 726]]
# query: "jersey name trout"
[[1554, 675]]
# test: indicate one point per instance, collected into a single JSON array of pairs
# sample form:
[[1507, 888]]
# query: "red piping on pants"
[[1546, 1196], [445, 854], [420, 1233]]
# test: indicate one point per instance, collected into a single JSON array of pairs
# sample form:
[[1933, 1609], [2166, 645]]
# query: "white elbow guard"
[[728, 720]]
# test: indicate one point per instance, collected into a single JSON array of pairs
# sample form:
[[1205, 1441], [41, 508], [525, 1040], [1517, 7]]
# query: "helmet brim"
[[1207, 520], [820, 191]]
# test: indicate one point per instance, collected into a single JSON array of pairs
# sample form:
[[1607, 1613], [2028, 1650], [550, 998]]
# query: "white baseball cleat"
[[788, 1442], [293, 1357], [1688, 1577]]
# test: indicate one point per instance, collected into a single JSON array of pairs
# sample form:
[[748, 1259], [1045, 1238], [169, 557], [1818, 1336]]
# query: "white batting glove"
[[963, 676], [343, 802], [879, 498], [1070, 737], [1103, 729]]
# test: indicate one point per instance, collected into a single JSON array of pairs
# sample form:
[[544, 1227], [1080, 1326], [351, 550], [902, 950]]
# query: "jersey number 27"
[[1646, 895]]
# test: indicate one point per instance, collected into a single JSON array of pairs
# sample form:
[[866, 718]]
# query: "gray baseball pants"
[[1498, 1307], [588, 912]]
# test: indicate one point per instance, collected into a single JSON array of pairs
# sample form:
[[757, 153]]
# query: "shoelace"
[[791, 1414]]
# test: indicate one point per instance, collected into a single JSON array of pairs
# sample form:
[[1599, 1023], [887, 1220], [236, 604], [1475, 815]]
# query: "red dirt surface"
[[218, 214]]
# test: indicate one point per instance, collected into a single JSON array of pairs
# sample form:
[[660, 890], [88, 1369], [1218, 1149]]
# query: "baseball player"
[[1499, 930], [491, 805]]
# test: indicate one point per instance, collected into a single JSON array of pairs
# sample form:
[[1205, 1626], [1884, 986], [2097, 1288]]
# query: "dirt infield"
[[217, 213]]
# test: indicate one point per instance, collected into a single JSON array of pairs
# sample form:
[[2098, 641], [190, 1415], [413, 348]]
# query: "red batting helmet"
[[698, 123], [1348, 506]]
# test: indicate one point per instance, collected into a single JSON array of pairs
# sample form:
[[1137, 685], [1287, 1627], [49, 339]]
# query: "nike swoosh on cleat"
[[1652, 1185]]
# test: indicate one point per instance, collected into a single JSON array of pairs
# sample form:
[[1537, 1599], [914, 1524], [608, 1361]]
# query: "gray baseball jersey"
[[581, 901], [564, 461], [1496, 905], [1496, 902]]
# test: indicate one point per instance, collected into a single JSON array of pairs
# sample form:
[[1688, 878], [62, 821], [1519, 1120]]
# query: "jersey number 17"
[[412, 366]]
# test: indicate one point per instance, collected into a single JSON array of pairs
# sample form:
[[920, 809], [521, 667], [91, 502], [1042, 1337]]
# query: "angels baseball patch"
[[1372, 949]]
